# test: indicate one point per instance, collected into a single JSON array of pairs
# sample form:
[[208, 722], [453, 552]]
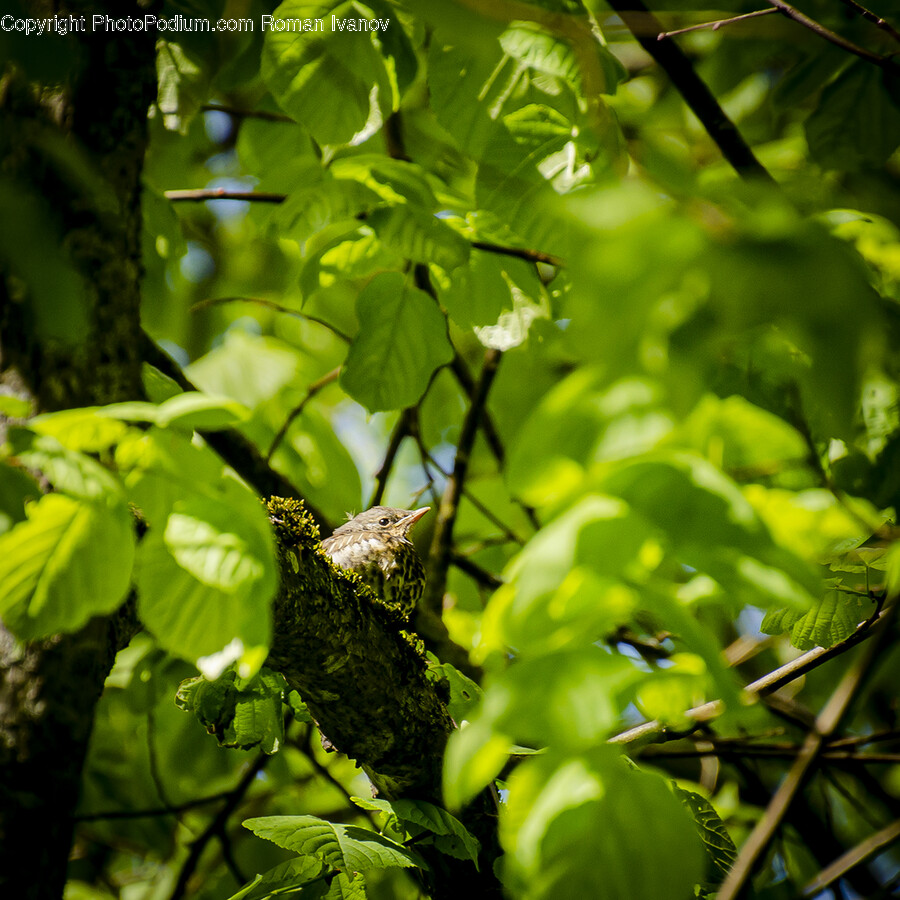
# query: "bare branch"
[[200, 195], [534, 256], [311, 391], [270, 304], [216, 826], [402, 430], [769, 683], [717, 24], [884, 62], [486, 579], [442, 543], [869, 16], [827, 723], [696, 94], [862, 852]]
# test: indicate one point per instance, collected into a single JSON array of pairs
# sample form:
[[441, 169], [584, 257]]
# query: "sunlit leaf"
[[402, 340]]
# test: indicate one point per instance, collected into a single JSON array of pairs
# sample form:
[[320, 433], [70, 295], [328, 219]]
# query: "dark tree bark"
[[49, 689]]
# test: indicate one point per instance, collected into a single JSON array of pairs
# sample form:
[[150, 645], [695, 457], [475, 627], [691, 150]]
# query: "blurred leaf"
[[17, 489], [587, 826], [195, 410], [564, 588], [402, 340], [50, 290], [475, 755], [69, 471], [87, 430], [68, 561], [857, 121], [330, 84], [205, 579]]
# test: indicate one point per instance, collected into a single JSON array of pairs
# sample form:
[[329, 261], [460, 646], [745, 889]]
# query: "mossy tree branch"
[[365, 682]]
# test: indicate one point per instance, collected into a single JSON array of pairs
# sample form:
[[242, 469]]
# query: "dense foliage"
[[627, 322]]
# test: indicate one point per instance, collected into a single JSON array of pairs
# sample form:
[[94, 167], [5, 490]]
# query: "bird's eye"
[[384, 521]]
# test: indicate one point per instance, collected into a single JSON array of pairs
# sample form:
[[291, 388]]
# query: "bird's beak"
[[414, 517]]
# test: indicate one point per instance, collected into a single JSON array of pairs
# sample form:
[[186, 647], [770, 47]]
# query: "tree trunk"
[[75, 152]]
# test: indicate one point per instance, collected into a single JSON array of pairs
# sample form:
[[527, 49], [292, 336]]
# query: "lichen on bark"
[[363, 678]]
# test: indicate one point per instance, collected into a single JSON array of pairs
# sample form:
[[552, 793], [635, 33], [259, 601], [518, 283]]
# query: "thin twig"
[[401, 430], [859, 854], [153, 812], [270, 304], [753, 751], [200, 195], [442, 543], [696, 94], [876, 20], [534, 256], [153, 760], [488, 513], [240, 113], [884, 62], [486, 579], [717, 24], [311, 391], [216, 826], [827, 723]]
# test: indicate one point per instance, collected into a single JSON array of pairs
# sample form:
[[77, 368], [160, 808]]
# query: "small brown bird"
[[376, 545]]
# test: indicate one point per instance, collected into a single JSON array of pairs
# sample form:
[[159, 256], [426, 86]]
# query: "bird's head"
[[385, 519]]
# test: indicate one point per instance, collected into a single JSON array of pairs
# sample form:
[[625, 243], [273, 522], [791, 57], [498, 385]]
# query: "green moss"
[[363, 678]]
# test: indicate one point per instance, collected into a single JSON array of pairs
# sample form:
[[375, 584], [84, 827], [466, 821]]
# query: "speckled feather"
[[375, 545]]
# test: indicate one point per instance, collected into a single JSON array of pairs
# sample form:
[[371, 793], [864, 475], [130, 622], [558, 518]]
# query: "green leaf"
[[345, 847], [240, 714], [17, 488], [856, 124], [829, 620], [87, 430], [588, 826], [465, 694], [401, 341], [65, 469], [720, 850], [318, 200], [565, 589], [711, 526], [160, 467], [451, 836], [535, 154], [330, 83], [475, 756], [14, 407], [205, 580], [419, 236], [283, 879], [68, 561], [195, 410]]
